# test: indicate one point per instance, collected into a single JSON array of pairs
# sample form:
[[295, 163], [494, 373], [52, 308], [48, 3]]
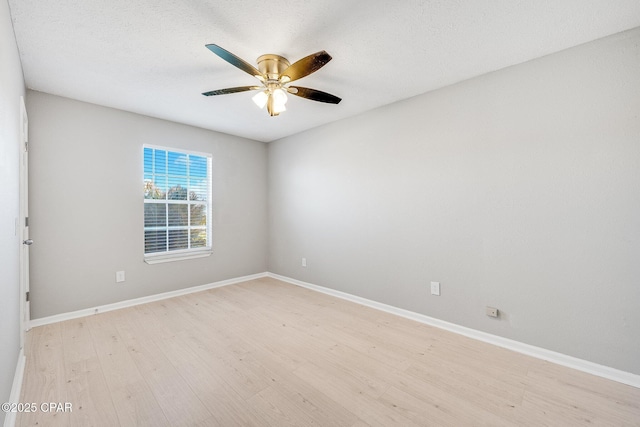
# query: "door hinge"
[[27, 296], [26, 221]]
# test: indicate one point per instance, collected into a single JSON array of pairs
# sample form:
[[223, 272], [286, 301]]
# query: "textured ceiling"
[[148, 56]]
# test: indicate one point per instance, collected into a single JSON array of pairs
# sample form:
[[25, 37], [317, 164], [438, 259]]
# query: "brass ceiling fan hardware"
[[272, 66], [276, 74]]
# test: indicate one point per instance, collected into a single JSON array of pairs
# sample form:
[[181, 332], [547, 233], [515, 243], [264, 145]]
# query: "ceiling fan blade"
[[305, 66], [313, 94], [230, 90], [235, 61]]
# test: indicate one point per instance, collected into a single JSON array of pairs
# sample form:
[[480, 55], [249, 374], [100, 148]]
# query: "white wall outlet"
[[304, 262], [492, 312], [435, 288], [119, 276]]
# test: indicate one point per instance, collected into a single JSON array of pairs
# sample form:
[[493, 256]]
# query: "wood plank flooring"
[[268, 353]]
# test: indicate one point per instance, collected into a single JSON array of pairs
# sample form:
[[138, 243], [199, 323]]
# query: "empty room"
[[328, 213]]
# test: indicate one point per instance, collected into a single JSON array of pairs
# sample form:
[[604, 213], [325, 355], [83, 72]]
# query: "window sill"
[[157, 259]]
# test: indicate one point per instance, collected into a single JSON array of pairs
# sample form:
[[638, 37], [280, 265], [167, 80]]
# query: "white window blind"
[[177, 207]]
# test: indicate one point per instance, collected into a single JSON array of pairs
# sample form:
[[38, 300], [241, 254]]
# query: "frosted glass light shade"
[[260, 99], [279, 99], [279, 96], [278, 108]]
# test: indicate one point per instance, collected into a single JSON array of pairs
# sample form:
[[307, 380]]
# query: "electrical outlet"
[[435, 288], [304, 262], [492, 312], [119, 276]]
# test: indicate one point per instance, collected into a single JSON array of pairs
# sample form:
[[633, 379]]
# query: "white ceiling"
[[148, 56]]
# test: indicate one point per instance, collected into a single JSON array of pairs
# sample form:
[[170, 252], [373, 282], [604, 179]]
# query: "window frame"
[[180, 254]]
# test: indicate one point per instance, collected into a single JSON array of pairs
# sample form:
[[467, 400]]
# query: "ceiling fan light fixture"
[[275, 73], [279, 97], [279, 107], [260, 99]]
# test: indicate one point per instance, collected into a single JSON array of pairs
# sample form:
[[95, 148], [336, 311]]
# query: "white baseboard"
[[137, 301], [530, 350], [16, 388]]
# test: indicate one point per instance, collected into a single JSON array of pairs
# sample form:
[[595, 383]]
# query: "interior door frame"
[[23, 224]]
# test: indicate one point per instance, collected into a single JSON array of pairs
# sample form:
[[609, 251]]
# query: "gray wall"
[[11, 88], [519, 189], [86, 205]]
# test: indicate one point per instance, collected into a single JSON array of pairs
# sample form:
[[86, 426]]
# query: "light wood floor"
[[268, 353]]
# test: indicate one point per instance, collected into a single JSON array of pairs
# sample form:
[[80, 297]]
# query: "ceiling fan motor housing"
[[272, 65]]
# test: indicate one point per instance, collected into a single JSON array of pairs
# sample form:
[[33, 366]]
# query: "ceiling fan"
[[276, 74]]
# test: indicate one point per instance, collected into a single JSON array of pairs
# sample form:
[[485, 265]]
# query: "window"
[[177, 208]]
